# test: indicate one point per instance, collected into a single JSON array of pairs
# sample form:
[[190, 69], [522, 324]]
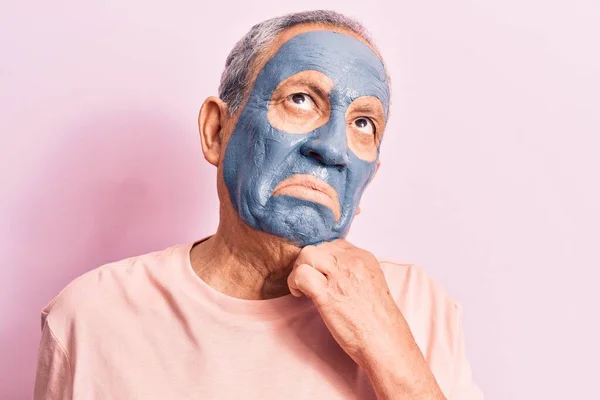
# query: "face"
[[307, 142]]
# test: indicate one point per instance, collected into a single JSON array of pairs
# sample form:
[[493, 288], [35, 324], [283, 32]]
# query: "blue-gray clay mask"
[[259, 156]]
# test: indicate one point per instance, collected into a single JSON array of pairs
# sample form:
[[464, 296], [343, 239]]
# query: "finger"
[[319, 258], [306, 280], [291, 281]]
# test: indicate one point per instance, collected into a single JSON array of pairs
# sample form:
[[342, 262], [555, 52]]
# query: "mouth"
[[311, 188]]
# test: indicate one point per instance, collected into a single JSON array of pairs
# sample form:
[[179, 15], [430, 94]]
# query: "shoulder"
[[101, 291], [430, 311], [415, 283]]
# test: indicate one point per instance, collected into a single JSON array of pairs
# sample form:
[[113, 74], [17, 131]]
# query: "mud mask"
[[259, 156]]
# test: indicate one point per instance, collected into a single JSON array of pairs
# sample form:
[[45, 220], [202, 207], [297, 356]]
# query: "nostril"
[[326, 157], [312, 153]]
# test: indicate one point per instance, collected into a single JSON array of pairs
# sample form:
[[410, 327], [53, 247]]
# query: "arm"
[[402, 373], [350, 291], [408, 376]]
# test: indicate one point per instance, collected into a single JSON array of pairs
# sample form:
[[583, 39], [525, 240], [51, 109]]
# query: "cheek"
[[254, 162], [359, 175]]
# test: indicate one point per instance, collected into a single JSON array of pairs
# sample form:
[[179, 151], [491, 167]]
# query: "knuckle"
[[335, 262], [310, 254], [305, 251]]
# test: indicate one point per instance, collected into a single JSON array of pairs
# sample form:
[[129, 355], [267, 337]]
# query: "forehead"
[[352, 65]]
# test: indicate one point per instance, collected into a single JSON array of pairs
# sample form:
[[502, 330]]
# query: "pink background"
[[489, 178]]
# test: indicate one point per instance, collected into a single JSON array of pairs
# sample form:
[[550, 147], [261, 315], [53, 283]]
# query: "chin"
[[299, 221]]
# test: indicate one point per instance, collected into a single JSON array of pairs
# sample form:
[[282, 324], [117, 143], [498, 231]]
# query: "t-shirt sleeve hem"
[[54, 375]]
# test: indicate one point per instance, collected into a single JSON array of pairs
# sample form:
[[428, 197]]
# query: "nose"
[[329, 145]]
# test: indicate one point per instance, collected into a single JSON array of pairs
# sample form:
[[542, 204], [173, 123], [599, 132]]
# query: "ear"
[[211, 123]]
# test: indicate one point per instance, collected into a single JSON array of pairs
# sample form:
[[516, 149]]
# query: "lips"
[[310, 188]]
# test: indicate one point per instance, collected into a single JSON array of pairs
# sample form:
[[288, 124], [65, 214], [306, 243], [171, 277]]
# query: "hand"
[[350, 292], [349, 289]]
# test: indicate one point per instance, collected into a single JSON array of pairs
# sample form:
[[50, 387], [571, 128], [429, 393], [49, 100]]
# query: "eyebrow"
[[311, 85], [368, 109]]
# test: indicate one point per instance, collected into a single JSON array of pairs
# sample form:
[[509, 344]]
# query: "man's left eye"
[[365, 125], [301, 100]]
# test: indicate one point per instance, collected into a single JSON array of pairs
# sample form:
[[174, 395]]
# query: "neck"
[[244, 263]]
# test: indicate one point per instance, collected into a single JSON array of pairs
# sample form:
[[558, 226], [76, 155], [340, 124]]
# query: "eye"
[[301, 100], [365, 125]]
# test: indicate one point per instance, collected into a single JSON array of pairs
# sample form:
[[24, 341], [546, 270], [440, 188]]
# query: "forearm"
[[390, 385], [403, 377]]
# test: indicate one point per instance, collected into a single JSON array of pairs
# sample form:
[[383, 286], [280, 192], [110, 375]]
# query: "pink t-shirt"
[[148, 327]]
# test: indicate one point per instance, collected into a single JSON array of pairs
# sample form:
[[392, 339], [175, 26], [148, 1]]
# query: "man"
[[276, 304]]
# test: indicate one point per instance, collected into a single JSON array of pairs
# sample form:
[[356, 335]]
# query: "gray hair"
[[238, 67]]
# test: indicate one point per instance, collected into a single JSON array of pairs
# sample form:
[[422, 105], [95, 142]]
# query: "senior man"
[[276, 304]]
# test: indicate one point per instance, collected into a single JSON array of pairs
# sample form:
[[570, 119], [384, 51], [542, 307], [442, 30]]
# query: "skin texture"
[[345, 283]]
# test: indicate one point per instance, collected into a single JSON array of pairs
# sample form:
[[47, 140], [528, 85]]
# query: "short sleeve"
[[53, 375], [463, 385]]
